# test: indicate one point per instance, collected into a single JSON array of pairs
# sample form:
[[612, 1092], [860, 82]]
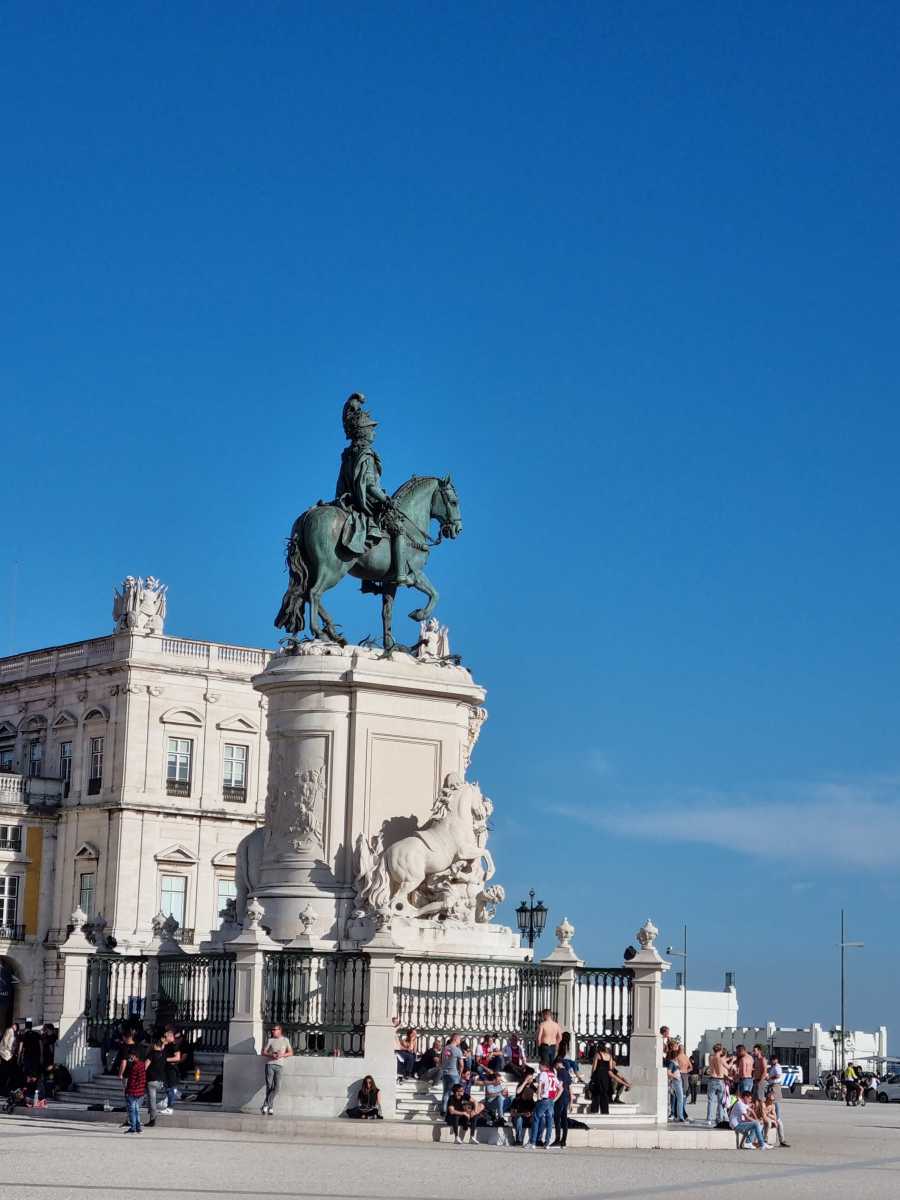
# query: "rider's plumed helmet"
[[354, 416]]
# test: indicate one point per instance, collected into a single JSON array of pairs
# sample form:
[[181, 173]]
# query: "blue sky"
[[630, 273]]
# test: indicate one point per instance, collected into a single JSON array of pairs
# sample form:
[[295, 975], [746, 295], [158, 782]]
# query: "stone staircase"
[[108, 1088], [419, 1102]]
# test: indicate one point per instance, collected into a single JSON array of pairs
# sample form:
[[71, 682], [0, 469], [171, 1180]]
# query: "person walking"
[[278, 1047], [135, 1078]]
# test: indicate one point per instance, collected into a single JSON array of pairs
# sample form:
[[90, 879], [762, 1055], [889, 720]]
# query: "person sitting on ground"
[[368, 1102], [278, 1047], [549, 1035], [462, 1114], [746, 1125], [405, 1050], [522, 1107], [428, 1063], [514, 1058]]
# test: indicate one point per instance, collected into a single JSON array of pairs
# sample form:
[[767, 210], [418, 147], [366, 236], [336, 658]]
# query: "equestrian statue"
[[380, 539]]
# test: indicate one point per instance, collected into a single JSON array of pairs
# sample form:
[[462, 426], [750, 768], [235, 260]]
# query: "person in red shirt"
[[135, 1077]]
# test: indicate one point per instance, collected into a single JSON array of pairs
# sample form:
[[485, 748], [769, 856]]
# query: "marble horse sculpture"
[[389, 877]]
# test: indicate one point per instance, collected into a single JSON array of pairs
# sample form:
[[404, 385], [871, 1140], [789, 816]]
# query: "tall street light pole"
[[845, 946], [683, 955]]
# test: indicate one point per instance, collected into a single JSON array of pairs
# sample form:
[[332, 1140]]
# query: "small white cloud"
[[848, 824]]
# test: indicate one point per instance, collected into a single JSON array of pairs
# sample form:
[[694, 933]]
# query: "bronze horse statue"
[[317, 559]]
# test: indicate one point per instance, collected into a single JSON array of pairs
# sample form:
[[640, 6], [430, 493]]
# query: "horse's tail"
[[290, 615], [373, 883]]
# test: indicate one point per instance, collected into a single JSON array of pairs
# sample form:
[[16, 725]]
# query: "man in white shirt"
[[743, 1122], [546, 1090]]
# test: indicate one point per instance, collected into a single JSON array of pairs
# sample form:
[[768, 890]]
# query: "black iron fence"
[[603, 1011], [116, 991], [196, 993], [320, 1000], [440, 996]]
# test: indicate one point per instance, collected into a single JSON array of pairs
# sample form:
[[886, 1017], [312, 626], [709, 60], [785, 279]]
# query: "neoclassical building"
[[130, 768]]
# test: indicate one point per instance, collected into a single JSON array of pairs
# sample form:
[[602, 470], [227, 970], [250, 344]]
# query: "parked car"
[[888, 1089]]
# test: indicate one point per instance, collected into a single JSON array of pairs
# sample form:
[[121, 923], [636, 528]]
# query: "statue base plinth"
[[359, 745], [450, 939]]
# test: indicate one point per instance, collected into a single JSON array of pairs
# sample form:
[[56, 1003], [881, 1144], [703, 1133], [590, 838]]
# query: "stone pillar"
[[72, 1049], [245, 1032], [380, 1061], [649, 1090], [565, 960]]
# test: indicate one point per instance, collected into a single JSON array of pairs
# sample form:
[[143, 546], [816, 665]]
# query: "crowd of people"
[[743, 1090], [529, 1105], [28, 1073]]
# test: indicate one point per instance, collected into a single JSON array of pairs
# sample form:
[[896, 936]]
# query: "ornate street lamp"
[[531, 919]]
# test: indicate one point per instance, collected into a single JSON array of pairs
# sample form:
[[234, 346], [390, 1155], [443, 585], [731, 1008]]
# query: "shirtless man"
[[549, 1035]]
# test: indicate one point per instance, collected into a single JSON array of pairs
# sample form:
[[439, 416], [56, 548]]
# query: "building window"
[[65, 766], [95, 779], [9, 905], [234, 775], [86, 883], [179, 759], [173, 896], [35, 757], [226, 889], [10, 837], [7, 757]]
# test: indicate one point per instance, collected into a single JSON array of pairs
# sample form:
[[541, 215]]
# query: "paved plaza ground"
[[834, 1152]]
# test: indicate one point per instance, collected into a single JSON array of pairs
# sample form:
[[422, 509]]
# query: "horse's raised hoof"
[[418, 614]]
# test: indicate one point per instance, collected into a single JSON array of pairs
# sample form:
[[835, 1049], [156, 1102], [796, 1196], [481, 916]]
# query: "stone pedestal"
[[649, 1088], [72, 1049], [359, 744]]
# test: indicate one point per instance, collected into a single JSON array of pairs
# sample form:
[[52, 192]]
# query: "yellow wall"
[[34, 849]]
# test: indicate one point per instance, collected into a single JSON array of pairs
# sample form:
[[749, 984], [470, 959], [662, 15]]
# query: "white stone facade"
[[705, 1010], [130, 768]]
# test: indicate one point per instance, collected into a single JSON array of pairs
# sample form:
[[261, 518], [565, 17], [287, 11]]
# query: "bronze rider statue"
[[373, 514]]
